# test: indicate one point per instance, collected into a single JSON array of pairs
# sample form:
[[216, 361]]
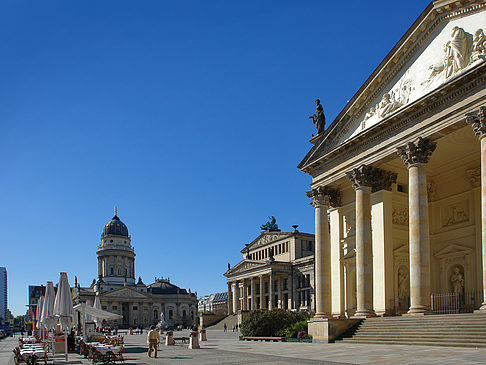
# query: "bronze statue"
[[229, 266], [271, 225], [318, 118]]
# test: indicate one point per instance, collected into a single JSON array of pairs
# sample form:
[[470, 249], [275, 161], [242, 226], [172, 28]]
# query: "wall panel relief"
[[400, 216], [452, 214]]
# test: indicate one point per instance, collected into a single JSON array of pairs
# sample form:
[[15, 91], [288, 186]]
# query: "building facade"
[[138, 303], [215, 303], [277, 271], [401, 174], [3, 294]]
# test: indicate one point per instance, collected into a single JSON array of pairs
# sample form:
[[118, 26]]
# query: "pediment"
[[245, 265], [125, 293], [453, 250], [264, 238], [443, 44]]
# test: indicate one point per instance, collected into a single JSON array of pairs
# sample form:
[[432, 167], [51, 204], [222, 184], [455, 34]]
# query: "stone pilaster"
[[244, 296], [291, 303], [279, 293], [477, 120], [322, 198], [415, 155]]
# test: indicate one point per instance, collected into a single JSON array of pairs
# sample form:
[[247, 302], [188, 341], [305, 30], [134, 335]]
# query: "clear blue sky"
[[190, 116]]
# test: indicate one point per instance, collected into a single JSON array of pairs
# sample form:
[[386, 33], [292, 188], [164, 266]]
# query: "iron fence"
[[454, 303]]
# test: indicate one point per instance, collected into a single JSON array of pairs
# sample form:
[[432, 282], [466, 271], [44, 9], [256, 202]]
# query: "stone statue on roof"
[[318, 118]]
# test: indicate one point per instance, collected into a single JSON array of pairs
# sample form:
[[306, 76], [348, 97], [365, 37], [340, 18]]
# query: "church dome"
[[115, 227]]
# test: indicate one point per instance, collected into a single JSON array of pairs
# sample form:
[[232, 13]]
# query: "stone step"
[[419, 343], [427, 326], [434, 337]]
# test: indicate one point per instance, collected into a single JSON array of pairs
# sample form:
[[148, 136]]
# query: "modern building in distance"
[[119, 292], [401, 175], [35, 292], [277, 271], [3, 294], [214, 303]]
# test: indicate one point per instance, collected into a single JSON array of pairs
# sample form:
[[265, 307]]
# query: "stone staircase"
[[230, 321], [461, 330]]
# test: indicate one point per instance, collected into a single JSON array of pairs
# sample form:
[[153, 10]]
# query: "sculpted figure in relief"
[[457, 281], [479, 46], [388, 104], [456, 52], [403, 286], [318, 118]]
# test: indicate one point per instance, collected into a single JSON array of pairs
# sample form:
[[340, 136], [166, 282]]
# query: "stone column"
[[477, 120], [271, 294], [245, 296], [291, 289], [322, 198], [415, 155], [230, 307], [262, 293], [279, 293], [365, 179], [235, 297], [253, 294]]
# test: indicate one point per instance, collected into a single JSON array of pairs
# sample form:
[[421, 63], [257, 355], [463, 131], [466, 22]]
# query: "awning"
[[95, 312]]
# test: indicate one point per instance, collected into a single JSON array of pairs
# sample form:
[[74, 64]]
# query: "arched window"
[[171, 314], [156, 314], [184, 314], [112, 271]]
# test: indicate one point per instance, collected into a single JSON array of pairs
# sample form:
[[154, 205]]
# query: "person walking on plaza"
[[153, 338], [225, 327]]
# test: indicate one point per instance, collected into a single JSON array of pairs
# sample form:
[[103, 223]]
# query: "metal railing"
[[454, 303]]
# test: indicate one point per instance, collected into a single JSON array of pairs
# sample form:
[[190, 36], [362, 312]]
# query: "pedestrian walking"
[[153, 338], [225, 327]]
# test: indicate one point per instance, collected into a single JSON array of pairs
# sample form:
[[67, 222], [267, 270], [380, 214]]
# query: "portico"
[[410, 176]]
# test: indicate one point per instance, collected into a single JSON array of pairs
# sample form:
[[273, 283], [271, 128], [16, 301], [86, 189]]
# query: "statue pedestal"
[[328, 329]]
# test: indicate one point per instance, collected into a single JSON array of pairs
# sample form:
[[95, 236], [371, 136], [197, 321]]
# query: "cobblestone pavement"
[[224, 348]]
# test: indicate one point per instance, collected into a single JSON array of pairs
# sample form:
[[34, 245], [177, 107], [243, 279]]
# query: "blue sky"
[[190, 116]]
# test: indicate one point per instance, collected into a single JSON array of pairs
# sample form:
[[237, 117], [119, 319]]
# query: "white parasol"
[[97, 305], [47, 318], [38, 312], [63, 307]]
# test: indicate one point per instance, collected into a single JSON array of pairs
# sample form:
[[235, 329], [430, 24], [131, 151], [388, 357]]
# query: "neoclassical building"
[[399, 177], [139, 304], [277, 271]]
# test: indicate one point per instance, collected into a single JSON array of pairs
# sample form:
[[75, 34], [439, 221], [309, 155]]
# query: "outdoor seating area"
[[30, 351], [102, 352]]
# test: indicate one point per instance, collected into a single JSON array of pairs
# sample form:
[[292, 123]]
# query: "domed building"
[[119, 292]]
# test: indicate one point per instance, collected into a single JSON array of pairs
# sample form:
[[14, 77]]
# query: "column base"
[[364, 314], [418, 311], [328, 330], [323, 315]]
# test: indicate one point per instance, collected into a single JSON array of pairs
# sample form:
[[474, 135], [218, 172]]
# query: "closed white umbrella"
[[63, 307], [47, 319], [38, 312], [97, 305], [63, 304]]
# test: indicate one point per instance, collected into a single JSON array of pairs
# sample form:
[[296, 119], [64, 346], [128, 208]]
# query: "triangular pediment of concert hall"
[[125, 292], [417, 68], [266, 237], [245, 265]]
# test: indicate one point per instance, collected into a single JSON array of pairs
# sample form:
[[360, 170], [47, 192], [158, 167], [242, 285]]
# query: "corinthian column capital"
[[477, 120], [417, 152], [324, 196], [373, 177]]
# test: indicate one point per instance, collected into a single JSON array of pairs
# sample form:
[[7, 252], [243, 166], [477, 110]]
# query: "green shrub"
[[264, 322], [294, 329]]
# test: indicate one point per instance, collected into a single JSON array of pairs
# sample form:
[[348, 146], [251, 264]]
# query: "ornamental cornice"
[[373, 177], [441, 98], [324, 196], [477, 120], [417, 152]]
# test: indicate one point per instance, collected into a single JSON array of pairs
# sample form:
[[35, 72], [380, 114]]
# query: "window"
[[103, 307], [111, 240], [156, 314], [266, 287], [286, 284], [119, 271], [112, 271], [184, 314], [135, 308], [171, 314], [115, 307]]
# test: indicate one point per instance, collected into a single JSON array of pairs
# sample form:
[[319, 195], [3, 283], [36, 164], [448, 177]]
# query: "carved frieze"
[[400, 216], [369, 176], [477, 120], [324, 196], [417, 152], [455, 214], [474, 176]]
